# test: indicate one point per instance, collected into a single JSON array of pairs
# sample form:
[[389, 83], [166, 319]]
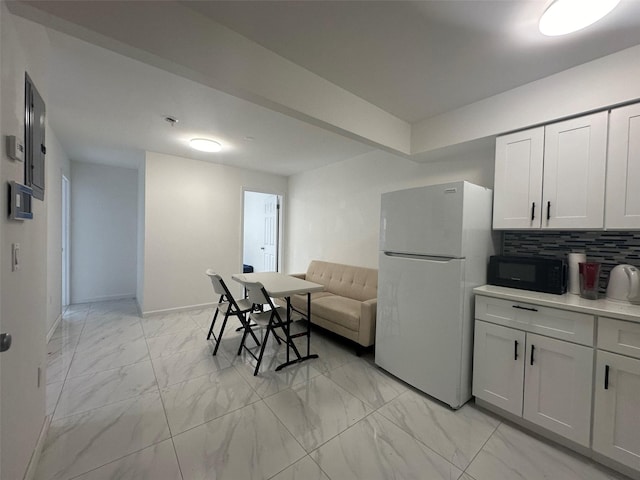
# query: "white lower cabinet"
[[498, 372], [545, 381], [616, 427], [571, 370], [558, 386]]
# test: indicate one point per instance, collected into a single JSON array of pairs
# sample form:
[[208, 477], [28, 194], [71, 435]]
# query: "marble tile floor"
[[133, 398]]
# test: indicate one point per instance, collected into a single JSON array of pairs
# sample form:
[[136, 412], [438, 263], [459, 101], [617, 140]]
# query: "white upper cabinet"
[[552, 177], [623, 170], [575, 156], [517, 202]]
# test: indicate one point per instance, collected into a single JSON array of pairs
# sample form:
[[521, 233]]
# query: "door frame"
[[279, 224]]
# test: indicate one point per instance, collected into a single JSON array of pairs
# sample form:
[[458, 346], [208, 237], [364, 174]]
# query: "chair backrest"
[[218, 284], [257, 294]]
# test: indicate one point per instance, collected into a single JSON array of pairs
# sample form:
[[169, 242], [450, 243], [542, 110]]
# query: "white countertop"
[[601, 307]]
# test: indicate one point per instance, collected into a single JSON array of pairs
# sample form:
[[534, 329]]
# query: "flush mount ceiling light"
[[205, 145], [567, 16]]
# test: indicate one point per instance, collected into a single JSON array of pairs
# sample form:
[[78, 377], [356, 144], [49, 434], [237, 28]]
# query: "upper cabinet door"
[[518, 180], [623, 170], [575, 156]]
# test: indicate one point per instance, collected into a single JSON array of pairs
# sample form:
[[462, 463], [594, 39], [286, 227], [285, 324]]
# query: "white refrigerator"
[[435, 244]]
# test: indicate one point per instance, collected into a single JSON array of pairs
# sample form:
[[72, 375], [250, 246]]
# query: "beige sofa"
[[348, 304]]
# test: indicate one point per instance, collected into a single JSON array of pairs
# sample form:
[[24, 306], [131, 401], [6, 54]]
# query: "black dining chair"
[[228, 306], [271, 319]]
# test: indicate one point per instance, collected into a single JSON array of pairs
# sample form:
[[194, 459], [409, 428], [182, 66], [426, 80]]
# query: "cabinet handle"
[[533, 347], [515, 350], [533, 210], [525, 308], [548, 210], [606, 377]]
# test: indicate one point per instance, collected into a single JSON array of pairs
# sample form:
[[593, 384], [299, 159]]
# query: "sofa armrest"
[[367, 331], [298, 275]]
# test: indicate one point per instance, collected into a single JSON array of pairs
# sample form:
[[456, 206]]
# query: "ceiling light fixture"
[[567, 16], [205, 145]]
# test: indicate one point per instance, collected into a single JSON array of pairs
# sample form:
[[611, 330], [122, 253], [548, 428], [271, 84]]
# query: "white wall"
[[104, 229], [140, 239], [57, 164], [334, 211], [595, 85], [24, 310], [193, 221]]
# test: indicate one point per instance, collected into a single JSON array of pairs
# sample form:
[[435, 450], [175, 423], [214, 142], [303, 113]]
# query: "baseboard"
[[536, 430], [37, 451], [53, 327], [105, 298], [542, 433], [629, 472], [177, 309]]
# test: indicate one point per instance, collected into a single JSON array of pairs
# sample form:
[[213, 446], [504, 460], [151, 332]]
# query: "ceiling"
[[422, 58], [110, 109], [413, 60]]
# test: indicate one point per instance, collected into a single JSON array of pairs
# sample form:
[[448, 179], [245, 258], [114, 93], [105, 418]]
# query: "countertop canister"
[[574, 275]]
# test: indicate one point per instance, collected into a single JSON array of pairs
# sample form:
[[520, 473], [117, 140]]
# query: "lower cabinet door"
[[558, 387], [498, 367], [616, 428]]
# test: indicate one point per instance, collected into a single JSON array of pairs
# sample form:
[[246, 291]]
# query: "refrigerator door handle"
[[429, 258]]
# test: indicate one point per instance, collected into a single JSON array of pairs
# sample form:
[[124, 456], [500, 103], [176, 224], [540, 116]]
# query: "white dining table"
[[280, 285]]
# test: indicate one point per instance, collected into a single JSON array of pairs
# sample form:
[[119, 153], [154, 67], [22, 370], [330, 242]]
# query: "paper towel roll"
[[574, 276]]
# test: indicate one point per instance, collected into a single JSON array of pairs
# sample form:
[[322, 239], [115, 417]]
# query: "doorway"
[[261, 232], [66, 214]]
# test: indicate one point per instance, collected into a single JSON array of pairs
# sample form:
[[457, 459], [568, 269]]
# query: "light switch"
[[15, 148], [15, 257]]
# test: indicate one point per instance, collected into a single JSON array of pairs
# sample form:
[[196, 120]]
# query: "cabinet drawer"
[[551, 322], [619, 336]]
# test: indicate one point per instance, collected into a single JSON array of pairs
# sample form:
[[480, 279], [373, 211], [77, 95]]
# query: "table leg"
[[308, 323], [290, 339]]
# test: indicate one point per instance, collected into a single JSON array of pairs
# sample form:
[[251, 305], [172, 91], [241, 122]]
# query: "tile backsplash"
[[608, 248]]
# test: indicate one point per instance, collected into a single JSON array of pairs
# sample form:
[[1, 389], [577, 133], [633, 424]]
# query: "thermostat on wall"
[[20, 201], [15, 148]]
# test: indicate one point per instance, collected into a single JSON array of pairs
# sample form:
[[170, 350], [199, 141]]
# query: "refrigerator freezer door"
[[420, 321], [423, 221]]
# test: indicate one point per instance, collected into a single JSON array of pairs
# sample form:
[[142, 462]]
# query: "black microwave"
[[547, 275]]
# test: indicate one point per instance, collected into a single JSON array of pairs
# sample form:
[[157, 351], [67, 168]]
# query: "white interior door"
[[66, 215], [270, 234], [261, 231]]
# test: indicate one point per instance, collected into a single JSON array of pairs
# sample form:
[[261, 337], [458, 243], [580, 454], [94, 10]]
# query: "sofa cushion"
[[300, 301], [341, 310], [358, 283]]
